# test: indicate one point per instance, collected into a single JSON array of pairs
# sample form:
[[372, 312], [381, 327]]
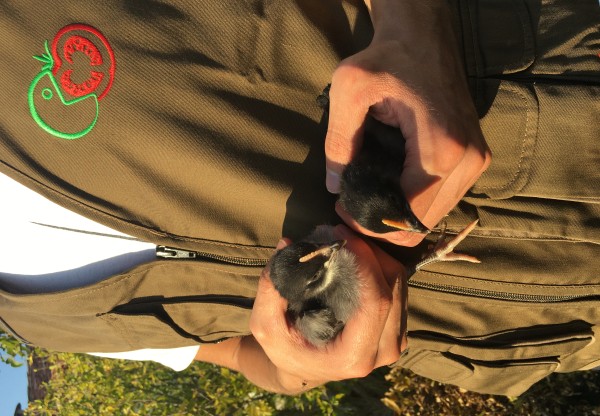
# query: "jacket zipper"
[[490, 294], [177, 253]]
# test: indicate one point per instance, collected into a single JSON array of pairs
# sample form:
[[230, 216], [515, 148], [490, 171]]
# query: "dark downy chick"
[[370, 185], [319, 278]]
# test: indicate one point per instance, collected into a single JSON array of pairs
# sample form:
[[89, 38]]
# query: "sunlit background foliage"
[[86, 385]]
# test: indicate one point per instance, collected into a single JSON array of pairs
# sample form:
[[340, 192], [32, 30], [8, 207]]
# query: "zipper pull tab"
[[174, 253]]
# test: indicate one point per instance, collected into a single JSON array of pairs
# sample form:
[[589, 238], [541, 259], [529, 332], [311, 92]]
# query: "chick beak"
[[327, 251], [406, 225]]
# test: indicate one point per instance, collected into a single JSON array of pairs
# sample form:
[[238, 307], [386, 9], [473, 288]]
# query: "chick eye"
[[313, 280]]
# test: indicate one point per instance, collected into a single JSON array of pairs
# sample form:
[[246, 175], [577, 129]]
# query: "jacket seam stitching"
[[522, 155]]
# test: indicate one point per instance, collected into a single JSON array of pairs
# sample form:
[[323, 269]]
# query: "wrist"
[[256, 366], [293, 385]]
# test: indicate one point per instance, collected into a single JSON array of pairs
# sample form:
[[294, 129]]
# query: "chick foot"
[[444, 250]]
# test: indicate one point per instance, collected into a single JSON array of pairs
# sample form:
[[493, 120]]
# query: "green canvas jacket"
[[194, 126]]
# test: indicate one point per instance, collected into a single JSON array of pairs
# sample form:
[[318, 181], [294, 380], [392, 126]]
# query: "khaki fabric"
[[215, 97], [159, 305], [531, 307], [210, 140]]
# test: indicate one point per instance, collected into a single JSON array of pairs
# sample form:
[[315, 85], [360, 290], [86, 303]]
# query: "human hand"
[[369, 340], [409, 77]]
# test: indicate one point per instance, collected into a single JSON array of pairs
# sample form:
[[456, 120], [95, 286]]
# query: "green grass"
[[86, 385]]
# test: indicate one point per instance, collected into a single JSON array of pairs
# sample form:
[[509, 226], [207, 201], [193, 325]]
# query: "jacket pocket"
[[498, 36], [158, 322], [498, 40], [510, 379], [510, 127], [507, 362], [176, 303]]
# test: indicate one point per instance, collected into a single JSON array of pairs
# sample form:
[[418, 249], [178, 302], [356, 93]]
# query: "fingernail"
[[280, 244], [332, 181]]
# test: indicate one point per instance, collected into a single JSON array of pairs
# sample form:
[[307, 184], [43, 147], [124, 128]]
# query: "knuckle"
[[390, 356], [363, 369], [385, 304], [361, 365], [446, 162], [347, 72], [257, 330]]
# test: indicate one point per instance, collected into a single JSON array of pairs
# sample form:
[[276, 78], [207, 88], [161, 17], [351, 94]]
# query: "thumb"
[[347, 113]]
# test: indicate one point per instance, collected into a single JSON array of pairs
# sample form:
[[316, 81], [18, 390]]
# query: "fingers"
[[389, 345], [268, 321], [347, 112], [374, 329], [403, 238], [369, 340], [431, 197], [464, 163], [394, 331], [284, 242], [394, 81], [268, 303]]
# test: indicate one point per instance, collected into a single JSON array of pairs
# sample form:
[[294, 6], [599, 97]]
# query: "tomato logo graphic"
[[78, 71]]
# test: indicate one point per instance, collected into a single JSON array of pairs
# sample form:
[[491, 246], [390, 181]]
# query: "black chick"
[[319, 278], [370, 185]]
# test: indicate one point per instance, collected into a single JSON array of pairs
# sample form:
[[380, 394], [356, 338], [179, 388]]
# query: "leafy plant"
[[12, 352], [83, 384], [570, 394], [86, 385]]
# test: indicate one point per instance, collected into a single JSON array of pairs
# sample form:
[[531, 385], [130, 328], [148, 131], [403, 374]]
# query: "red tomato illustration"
[[89, 45]]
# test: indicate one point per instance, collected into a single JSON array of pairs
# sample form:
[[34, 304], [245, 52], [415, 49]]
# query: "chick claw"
[[444, 250]]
